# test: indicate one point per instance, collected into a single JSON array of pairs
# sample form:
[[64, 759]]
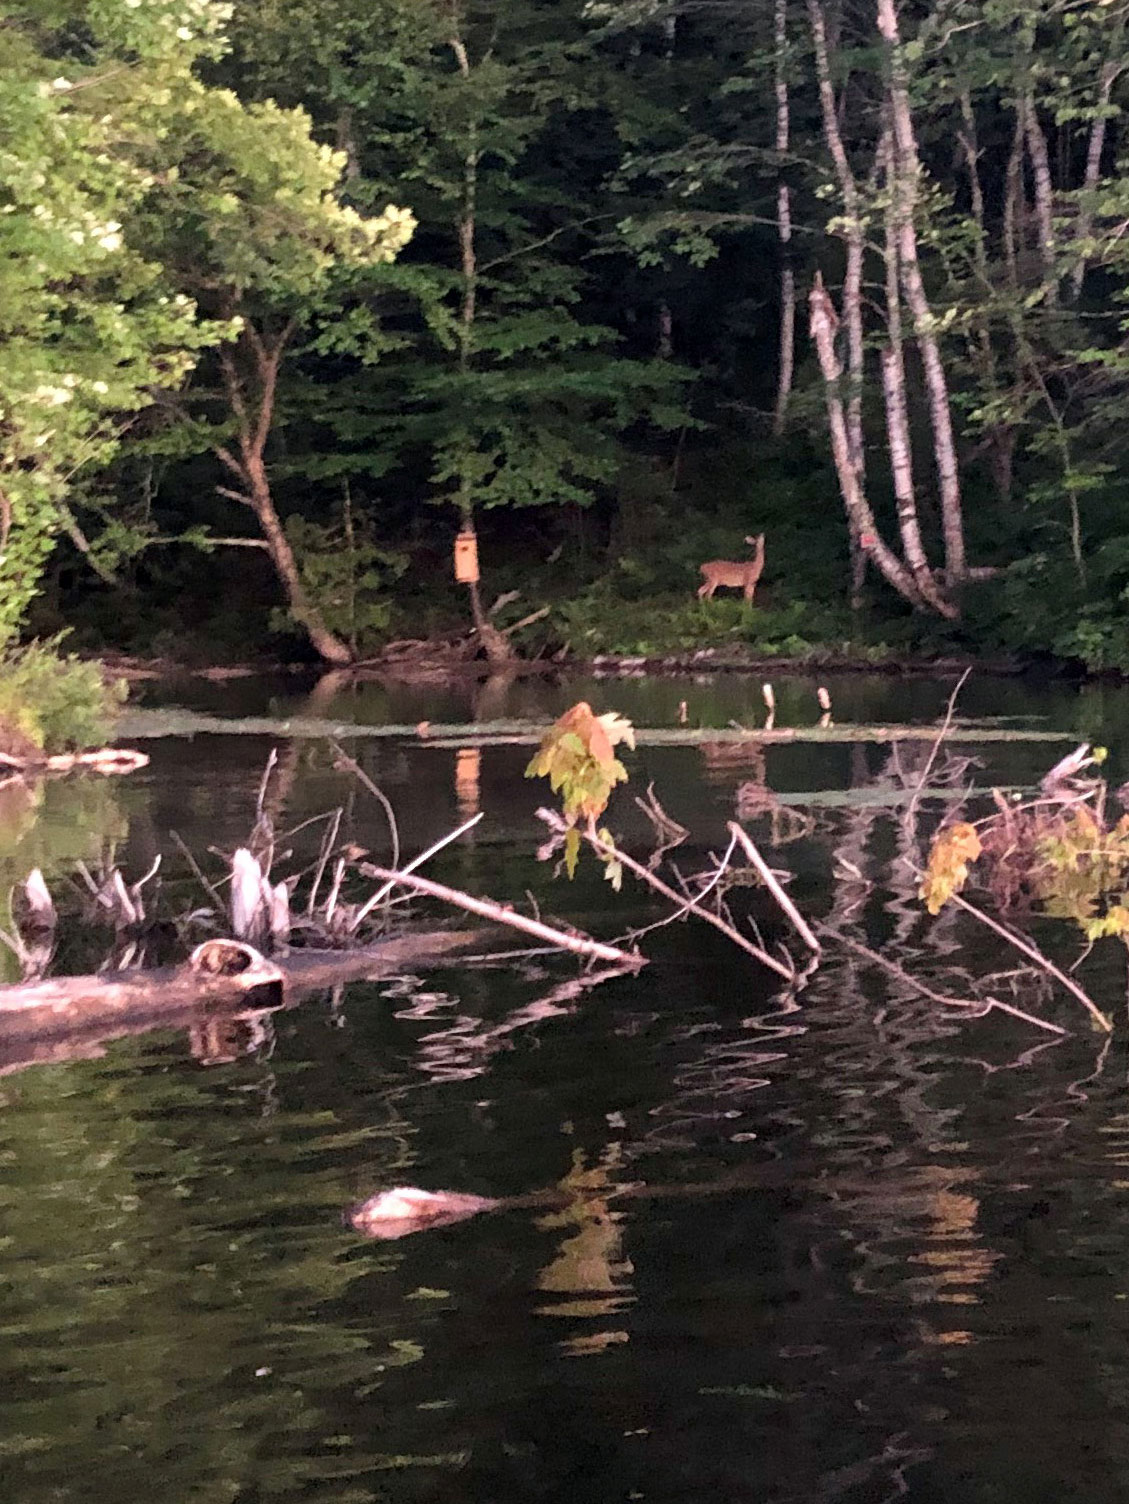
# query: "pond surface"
[[883, 1250]]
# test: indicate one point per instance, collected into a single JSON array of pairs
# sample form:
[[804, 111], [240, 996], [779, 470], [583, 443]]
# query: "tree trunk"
[[860, 517], [494, 644], [1106, 80], [325, 643], [907, 172], [1014, 202], [897, 416], [787, 357], [1044, 196], [853, 232], [852, 303], [250, 372], [999, 435]]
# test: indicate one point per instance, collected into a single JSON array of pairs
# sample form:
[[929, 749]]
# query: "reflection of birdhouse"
[[468, 764], [466, 557]]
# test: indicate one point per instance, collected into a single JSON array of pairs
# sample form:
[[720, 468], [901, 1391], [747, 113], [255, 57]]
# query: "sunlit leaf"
[[954, 848], [572, 851]]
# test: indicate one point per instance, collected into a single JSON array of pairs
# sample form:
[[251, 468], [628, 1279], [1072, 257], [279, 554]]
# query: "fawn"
[[741, 576]]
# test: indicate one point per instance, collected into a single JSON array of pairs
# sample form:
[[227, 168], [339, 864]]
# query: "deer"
[[741, 576]]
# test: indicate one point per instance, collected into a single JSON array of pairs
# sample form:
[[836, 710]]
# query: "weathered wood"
[[61, 1005], [140, 725]]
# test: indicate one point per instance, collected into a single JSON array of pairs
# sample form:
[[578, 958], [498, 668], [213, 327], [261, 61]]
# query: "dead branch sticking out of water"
[[772, 883], [1027, 947], [570, 940], [974, 1007], [683, 903]]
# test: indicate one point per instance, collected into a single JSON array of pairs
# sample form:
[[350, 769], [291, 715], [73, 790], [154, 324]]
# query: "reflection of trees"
[[590, 1272], [177, 1309]]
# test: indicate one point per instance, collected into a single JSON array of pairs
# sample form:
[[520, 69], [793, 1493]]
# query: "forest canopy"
[[292, 292]]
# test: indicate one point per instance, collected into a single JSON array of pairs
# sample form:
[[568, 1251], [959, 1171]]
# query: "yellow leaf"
[[954, 848], [571, 852]]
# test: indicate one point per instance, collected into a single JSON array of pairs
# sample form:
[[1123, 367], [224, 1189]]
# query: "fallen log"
[[148, 725], [60, 1006]]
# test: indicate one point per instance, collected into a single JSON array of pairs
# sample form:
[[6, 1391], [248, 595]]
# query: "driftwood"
[[63, 1006], [497, 913]]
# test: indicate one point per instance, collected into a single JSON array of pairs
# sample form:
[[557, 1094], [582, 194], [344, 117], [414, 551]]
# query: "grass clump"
[[54, 702]]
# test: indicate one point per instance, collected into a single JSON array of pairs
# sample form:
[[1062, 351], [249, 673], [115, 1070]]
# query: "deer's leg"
[[705, 591]]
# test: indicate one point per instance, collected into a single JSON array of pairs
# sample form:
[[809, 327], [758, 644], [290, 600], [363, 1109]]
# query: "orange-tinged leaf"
[[954, 848], [599, 745], [577, 757]]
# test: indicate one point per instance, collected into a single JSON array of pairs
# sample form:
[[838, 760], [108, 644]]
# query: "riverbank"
[[396, 665]]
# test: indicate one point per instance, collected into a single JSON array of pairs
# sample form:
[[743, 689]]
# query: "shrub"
[[54, 701]]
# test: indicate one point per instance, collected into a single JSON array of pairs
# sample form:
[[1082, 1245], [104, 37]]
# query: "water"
[[882, 1252]]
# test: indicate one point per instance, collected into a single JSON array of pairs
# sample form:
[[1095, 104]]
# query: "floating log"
[[61, 1006], [140, 725]]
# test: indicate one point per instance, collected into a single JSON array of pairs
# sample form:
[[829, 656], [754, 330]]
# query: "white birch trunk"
[[897, 412], [1106, 80], [787, 354], [1044, 196], [852, 217], [907, 171], [863, 526]]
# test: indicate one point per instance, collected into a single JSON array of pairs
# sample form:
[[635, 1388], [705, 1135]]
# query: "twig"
[[329, 840], [686, 905], [579, 945], [417, 861], [1033, 953], [196, 872], [526, 621], [359, 773], [334, 891], [946, 725], [264, 782], [605, 849], [772, 883], [978, 1007]]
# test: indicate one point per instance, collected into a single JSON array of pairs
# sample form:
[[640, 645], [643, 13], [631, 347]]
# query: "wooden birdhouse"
[[466, 557]]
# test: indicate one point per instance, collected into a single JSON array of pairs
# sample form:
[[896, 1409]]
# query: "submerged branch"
[[1028, 948], [976, 1007], [681, 901]]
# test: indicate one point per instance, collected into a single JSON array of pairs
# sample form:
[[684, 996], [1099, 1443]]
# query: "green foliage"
[[89, 328], [131, 196], [346, 575], [56, 701], [1068, 860], [577, 756], [601, 620]]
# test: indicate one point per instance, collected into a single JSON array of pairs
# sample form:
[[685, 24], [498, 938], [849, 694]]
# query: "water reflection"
[[590, 1274], [842, 1246]]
